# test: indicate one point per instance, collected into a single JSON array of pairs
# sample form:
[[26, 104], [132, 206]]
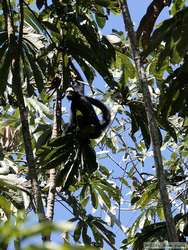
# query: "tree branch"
[[153, 129], [52, 179]]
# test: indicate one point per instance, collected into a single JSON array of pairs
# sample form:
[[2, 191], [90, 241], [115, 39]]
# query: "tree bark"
[[52, 179], [154, 134]]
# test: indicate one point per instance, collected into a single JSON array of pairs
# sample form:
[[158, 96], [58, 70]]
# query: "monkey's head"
[[71, 93]]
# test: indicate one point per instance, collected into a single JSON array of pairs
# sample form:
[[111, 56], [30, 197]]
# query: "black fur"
[[87, 122]]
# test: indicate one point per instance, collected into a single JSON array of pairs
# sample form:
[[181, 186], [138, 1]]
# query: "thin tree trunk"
[[52, 179], [154, 134], [17, 88], [27, 143]]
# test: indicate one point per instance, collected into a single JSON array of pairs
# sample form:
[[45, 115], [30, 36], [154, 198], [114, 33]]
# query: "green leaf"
[[104, 197], [31, 19], [107, 233], [149, 193], [176, 45], [37, 72], [78, 230], [67, 139], [87, 69], [97, 236], [104, 170], [160, 213], [110, 188], [125, 182], [85, 237], [104, 3], [124, 63], [55, 160], [43, 137], [100, 16], [94, 56], [85, 201], [55, 152], [39, 107], [84, 193], [51, 26], [6, 206], [94, 197]]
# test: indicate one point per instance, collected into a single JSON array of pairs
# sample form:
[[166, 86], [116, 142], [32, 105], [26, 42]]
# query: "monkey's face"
[[71, 93]]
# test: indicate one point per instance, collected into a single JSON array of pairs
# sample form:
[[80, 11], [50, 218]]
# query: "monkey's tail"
[[105, 111]]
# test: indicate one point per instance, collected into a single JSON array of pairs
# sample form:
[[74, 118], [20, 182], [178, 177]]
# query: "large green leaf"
[[5, 205], [78, 49], [86, 68], [86, 238], [104, 196], [31, 20], [42, 134], [56, 156], [94, 197], [105, 233], [173, 32], [173, 99], [78, 230], [101, 46], [30, 52], [109, 188]]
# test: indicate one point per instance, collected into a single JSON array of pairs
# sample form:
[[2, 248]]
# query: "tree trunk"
[[52, 179], [154, 134], [16, 46]]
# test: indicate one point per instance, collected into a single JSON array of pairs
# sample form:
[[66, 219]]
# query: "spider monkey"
[[84, 125], [83, 115]]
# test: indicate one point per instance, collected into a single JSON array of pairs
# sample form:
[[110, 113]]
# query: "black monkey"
[[83, 115], [74, 148]]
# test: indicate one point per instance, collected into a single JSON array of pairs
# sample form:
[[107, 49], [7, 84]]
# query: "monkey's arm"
[[105, 112]]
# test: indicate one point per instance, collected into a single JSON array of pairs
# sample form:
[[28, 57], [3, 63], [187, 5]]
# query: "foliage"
[[113, 177], [72, 158], [10, 231]]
